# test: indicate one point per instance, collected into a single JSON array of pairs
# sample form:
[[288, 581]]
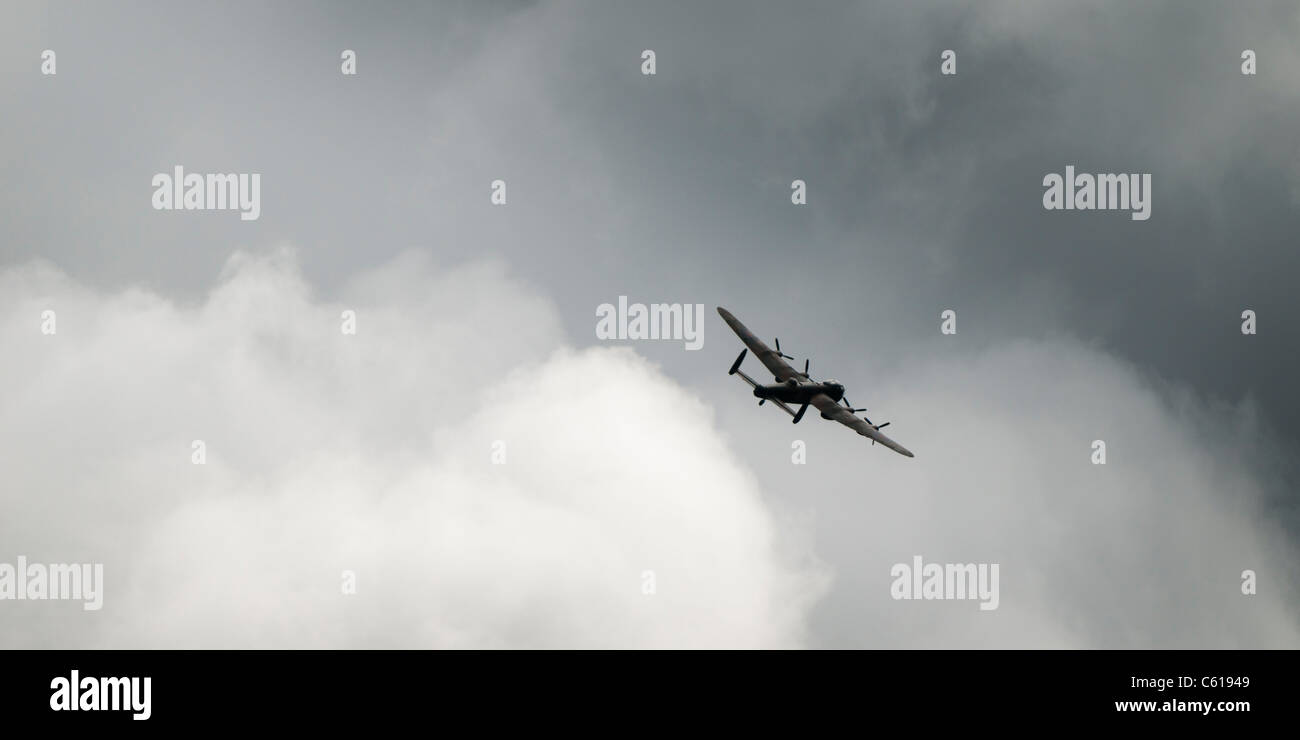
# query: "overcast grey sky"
[[924, 194]]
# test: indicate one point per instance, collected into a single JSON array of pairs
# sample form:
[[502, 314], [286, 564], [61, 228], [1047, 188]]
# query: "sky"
[[634, 466]]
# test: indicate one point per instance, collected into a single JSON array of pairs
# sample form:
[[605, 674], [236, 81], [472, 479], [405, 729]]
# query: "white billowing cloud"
[[372, 453]]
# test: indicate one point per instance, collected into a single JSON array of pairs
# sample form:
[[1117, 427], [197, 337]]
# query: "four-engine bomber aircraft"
[[794, 387]]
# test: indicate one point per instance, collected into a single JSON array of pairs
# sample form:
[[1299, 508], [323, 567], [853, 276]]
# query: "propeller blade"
[[799, 415], [736, 365], [762, 401], [805, 367], [882, 426], [849, 405]]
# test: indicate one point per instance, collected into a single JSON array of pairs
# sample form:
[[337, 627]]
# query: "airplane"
[[797, 388]]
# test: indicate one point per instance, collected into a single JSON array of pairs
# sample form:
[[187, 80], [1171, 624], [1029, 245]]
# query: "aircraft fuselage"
[[798, 393]]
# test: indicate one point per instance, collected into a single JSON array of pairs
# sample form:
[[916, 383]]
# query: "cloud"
[[1145, 551], [924, 194], [372, 453]]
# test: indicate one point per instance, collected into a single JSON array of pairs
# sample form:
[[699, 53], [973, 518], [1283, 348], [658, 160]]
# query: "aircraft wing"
[[766, 355], [834, 410], [782, 406]]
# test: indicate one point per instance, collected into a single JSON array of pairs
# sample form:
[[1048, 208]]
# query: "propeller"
[[780, 353], [848, 404], [805, 366], [875, 426], [736, 365], [799, 415]]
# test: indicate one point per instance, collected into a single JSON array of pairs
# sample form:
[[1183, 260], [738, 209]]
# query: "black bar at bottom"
[[802, 691]]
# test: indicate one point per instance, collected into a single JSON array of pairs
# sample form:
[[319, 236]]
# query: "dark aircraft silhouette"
[[796, 388]]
